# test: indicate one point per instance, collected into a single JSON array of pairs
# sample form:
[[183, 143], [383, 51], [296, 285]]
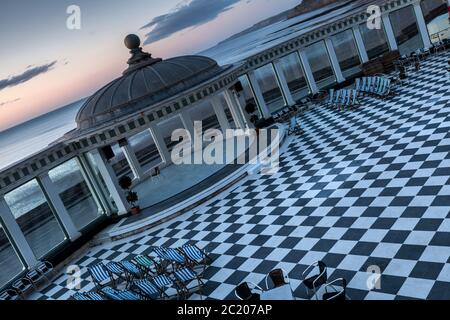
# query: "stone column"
[[334, 61], [111, 181], [360, 45], [277, 64], [52, 193], [16, 234], [308, 72], [422, 25], [389, 32], [132, 160], [258, 95]]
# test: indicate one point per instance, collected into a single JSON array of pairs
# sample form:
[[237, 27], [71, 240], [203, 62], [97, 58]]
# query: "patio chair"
[[80, 297], [9, 294], [40, 273], [147, 289], [184, 278], [101, 276], [22, 286], [278, 278], [355, 100], [316, 280], [196, 255], [245, 292], [335, 294], [148, 265], [117, 295]]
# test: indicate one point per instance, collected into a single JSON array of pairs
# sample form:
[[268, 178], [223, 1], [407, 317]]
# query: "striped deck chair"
[[164, 283], [148, 265], [147, 289], [132, 271], [196, 255], [9, 294], [117, 295], [88, 296], [80, 297], [101, 276], [117, 269], [184, 277]]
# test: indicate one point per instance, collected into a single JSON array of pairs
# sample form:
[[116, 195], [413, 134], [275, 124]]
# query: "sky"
[[45, 65]]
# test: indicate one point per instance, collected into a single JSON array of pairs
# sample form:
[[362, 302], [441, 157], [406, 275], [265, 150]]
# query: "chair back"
[[243, 291], [277, 277]]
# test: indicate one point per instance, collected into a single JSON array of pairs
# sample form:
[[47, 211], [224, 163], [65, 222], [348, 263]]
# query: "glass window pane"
[[347, 53], [146, 150], [75, 193], [295, 77], [320, 63], [166, 129], [10, 264], [405, 30], [35, 218], [120, 163], [436, 18], [375, 41], [204, 112], [268, 83], [248, 93]]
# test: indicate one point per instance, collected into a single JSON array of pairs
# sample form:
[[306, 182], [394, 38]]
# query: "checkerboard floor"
[[369, 187]]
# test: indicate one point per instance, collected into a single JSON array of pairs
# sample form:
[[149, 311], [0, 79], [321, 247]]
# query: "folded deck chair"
[[101, 276], [41, 272]]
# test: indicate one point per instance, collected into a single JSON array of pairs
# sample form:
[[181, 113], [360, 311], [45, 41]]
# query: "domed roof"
[[148, 80]]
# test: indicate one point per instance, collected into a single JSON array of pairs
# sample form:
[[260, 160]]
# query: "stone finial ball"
[[132, 41]]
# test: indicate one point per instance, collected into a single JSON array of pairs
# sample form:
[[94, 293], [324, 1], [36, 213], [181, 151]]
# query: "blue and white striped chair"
[[9, 294], [132, 271], [101, 276], [185, 277], [22, 286], [164, 283], [147, 289], [195, 254], [117, 295]]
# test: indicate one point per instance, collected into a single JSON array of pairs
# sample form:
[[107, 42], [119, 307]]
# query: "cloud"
[[30, 73], [185, 15], [8, 102]]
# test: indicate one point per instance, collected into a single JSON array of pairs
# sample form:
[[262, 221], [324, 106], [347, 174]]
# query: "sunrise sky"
[[44, 65]]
